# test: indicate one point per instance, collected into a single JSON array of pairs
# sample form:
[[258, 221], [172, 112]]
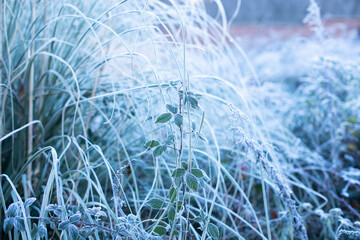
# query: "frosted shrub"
[[325, 114], [313, 18]]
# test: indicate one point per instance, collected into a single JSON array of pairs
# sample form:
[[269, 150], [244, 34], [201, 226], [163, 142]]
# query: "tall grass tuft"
[[142, 120]]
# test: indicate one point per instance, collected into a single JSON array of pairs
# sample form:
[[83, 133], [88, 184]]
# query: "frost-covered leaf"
[[336, 211], [86, 231], [92, 211], [174, 83], [34, 231], [171, 108], [192, 182], [202, 182], [152, 143], [52, 225], [163, 118], [159, 150], [74, 218], [202, 137], [64, 225], [179, 172], [193, 101], [12, 210], [58, 211], [178, 120], [42, 231], [73, 232], [193, 125], [29, 202], [169, 139], [8, 224], [52, 207], [306, 206], [47, 221], [206, 178], [198, 96], [19, 224], [100, 214], [213, 231], [197, 172], [156, 203]]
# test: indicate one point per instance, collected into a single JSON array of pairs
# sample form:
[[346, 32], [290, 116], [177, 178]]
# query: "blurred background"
[[263, 17]]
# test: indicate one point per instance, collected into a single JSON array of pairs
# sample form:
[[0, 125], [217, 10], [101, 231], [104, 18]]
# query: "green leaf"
[[179, 205], [184, 165], [156, 203], [197, 219], [192, 182], [198, 96], [73, 232], [213, 231], [152, 143], [171, 108], [64, 225], [178, 120], [172, 214], [197, 172], [193, 101], [174, 83], [176, 233], [193, 125], [202, 137], [163, 118], [202, 214], [8, 224], [172, 194], [34, 231], [179, 172], [159, 150], [160, 230]]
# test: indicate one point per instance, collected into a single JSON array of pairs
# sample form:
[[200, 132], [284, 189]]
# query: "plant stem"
[[31, 97]]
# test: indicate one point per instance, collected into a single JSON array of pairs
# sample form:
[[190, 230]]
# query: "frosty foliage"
[[239, 120], [313, 19]]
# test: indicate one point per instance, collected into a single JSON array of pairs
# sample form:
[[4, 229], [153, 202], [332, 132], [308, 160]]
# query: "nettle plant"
[[187, 177], [173, 217]]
